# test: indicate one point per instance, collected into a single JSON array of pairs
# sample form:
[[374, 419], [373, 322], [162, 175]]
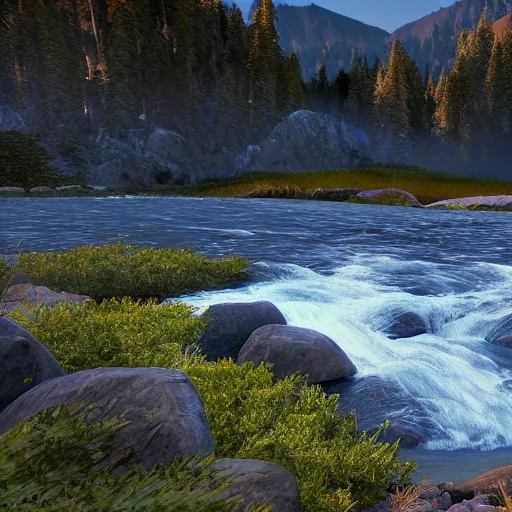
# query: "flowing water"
[[341, 269]]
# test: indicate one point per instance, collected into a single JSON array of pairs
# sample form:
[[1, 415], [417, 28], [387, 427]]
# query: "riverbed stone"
[[406, 325], [24, 362], [68, 187], [501, 333], [258, 481], [294, 349], [229, 325], [12, 190], [21, 295], [167, 421], [39, 190]]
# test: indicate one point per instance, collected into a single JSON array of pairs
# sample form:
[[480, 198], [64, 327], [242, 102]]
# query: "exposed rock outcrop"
[[389, 196], [491, 202]]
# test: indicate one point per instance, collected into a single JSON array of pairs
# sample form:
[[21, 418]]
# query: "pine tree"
[[359, 103], [507, 82], [430, 101], [342, 87], [292, 86], [495, 87]]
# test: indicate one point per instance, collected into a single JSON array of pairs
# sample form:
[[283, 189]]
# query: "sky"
[[386, 14]]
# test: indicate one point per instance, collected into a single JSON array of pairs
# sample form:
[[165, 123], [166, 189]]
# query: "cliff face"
[[317, 34]]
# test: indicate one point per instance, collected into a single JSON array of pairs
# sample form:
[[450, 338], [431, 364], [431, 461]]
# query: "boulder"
[[258, 482], [487, 483], [10, 120], [228, 326], [24, 362], [34, 297], [389, 196], [492, 202], [167, 147], [405, 325], [294, 349], [444, 501], [480, 503], [375, 400], [334, 194], [166, 417], [65, 188], [501, 333], [41, 190], [12, 190], [307, 141], [420, 506]]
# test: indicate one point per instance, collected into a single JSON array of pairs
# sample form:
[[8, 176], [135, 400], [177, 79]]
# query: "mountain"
[[316, 34], [431, 41], [501, 26]]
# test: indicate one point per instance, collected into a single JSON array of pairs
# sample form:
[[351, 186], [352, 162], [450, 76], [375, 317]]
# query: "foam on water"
[[453, 372]]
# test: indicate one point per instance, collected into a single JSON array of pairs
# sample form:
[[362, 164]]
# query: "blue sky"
[[386, 14]]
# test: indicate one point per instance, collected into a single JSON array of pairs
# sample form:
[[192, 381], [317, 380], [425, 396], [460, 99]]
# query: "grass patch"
[[121, 270], [250, 415], [427, 186], [48, 464]]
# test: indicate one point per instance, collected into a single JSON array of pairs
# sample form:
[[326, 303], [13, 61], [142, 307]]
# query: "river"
[[342, 269]]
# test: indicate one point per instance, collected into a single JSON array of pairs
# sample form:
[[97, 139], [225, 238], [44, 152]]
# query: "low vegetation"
[[25, 163], [48, 463], [427, 186], [121, 270], [250, 415]]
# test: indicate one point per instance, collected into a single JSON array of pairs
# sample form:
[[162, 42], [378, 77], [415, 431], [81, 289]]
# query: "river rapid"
[[343, 269]]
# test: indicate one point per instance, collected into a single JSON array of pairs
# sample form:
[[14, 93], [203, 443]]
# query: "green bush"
[[250, 415], [120, 270], [25, 163], [50, 463]]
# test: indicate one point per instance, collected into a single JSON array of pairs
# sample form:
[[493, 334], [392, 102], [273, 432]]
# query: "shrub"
[[250, 415], [120, 270], [25, 163], [49, 463]]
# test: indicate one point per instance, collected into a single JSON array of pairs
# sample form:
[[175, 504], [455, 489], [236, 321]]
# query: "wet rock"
[[487, 483], [375, 400], [493, 202], [501, 333], [12, 190], [24, 362], [293, 349], [65, 188], [391, 196], [259, 482], [40, 190], [166, 415], [34, 297], [228, 326], [334, 194], [406, 325]]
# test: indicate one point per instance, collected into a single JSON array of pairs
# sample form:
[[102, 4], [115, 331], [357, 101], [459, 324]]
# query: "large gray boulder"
[[24, 362], [294, 349], [307, 141], [501, 333], [257, 481], [166, 415], [228, 326], [406, 325], [492, 202], [389, 196]]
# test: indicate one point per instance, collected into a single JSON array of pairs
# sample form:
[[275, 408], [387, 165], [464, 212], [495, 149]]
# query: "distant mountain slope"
[[432, 40], [501, 26], [317, 34]]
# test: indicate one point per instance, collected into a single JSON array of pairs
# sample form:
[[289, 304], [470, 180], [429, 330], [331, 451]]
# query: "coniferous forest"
[[81, 71]]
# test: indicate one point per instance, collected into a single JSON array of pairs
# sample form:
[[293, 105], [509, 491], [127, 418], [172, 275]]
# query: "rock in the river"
[[228, 326], [12, 190], [35, 296], [66, 188], [492, 202], [334, 194], [258, 482], [406, 325], [389, 196], [294, 349], [24, 362], [166, 415], [307, 141], [488, 482], [501, 333], [375, 400], [40, 190]]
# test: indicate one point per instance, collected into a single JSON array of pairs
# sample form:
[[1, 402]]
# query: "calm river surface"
[[342, 269]]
